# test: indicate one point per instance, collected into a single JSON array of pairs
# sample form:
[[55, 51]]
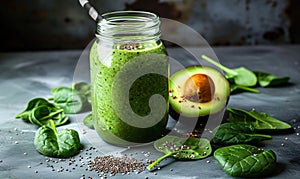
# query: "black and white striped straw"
[[91, 10]]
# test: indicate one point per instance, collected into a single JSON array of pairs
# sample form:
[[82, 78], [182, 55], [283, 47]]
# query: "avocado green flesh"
[[195, 109]]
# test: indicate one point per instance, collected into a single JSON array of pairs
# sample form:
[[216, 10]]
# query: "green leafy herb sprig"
[[62, 144], [181, 148], [243, 79]]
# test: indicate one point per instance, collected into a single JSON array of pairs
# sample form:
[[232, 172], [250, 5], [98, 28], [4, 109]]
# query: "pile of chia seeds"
[[113, 165]]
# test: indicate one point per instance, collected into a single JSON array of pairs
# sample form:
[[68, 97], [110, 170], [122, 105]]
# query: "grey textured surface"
[[27, 75]]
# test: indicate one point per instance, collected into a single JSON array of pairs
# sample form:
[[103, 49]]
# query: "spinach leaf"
[[236, 133], [51, 143], [241, 76], [234, 88], [33, 103], [84, 89], [39, 111], [267, 79], [88, 121], [68, 99], [260, 121], [245, 160], [242, 79], [181, 148]]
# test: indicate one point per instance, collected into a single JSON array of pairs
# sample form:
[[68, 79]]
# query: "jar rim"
[[128, 25], [147, 16]]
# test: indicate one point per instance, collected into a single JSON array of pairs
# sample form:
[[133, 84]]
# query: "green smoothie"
[[129, 91]]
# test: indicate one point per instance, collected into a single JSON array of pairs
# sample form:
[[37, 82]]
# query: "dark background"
[[28, 25]]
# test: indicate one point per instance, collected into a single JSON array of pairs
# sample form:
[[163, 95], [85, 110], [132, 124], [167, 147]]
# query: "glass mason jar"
[[129, 76]]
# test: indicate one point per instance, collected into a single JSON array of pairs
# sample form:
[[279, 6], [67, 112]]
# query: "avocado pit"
[[199, 88], [197, 91]]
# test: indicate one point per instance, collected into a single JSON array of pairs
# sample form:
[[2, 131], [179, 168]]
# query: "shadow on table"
[[280, 167]]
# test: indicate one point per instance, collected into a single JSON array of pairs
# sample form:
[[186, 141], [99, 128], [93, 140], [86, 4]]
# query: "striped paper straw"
[[91, 10]]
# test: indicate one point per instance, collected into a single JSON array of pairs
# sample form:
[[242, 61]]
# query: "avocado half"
[[198, 91]]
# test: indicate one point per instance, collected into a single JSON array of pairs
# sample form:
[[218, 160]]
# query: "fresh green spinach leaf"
[[68, 99], [181, 148], [241, 76], [267, 79], [84, 89], [260, 121], [234, 88], [51, 143], [33, 103], [236, 133], [88, 121], [245, 160], [39, 111]]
